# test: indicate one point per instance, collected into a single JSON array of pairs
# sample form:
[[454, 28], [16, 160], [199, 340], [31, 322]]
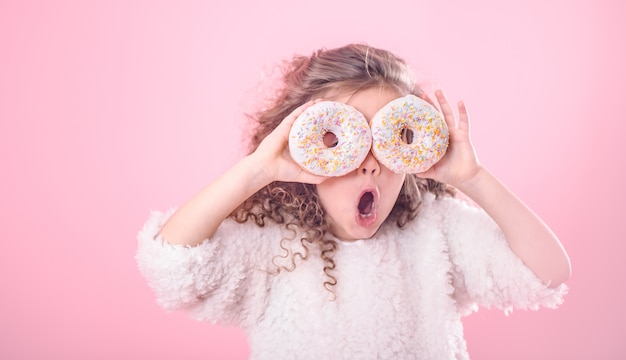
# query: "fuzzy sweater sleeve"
[[222, 280], [486, 272]]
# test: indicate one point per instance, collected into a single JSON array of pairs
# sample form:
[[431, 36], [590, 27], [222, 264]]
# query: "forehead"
[[367, 101]]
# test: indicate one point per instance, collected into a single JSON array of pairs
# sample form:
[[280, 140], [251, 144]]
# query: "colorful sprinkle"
[[430, 135], [306, 139]]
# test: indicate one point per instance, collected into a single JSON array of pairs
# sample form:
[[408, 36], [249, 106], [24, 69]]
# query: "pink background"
[[109, 109]]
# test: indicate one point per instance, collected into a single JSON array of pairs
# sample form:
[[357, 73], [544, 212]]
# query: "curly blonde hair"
[[350, 68]]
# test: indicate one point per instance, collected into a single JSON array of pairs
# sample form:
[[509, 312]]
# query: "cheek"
[[393, 180], [329, 194], [392, 187]]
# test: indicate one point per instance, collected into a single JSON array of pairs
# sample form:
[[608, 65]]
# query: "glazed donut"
[[330, 139], [409, 135]]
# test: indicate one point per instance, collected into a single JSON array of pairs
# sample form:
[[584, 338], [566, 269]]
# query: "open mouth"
[[366, 204]]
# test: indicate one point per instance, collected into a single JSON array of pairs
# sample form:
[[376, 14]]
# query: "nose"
[[369, 166]]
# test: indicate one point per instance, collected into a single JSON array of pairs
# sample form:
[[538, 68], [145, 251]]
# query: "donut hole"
[[330, 139], [406, 134]]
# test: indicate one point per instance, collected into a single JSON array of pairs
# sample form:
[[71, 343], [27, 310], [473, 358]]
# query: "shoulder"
[[248, 236], [442, 218], [454, 211], [457, 203], [445, 210]]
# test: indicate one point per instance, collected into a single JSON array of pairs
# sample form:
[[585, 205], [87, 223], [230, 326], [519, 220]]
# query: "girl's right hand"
[[273, 158], [200, 216]]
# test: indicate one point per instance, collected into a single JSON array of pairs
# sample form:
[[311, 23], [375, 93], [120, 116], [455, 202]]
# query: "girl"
[[311, 268]]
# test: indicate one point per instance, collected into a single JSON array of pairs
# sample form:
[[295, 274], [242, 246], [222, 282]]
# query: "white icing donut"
[[409, 135], [352, 132]]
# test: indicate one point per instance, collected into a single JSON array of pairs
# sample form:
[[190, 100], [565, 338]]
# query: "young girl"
[[369, 265]]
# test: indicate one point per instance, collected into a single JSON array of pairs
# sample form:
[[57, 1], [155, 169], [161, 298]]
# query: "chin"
[[360, 233]]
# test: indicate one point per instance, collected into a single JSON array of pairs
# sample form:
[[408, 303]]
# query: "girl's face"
[[357, 203]]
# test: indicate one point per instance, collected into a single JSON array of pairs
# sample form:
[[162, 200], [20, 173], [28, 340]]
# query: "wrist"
[[475, 182], [256, 172]]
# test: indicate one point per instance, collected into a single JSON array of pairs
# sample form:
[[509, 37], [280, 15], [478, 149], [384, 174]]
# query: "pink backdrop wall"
[[109, 109]]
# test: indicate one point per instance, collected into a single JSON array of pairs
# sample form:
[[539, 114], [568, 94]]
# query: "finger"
[[291, 118], [427, 98], [463, 117], [314, 179], [302, 108], [430, 173], [446, 110]]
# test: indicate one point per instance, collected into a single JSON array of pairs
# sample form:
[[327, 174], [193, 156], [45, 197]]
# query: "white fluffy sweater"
[[400, 295]]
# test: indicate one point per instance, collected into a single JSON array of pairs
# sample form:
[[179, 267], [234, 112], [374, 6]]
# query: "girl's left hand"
[[460, 163]]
